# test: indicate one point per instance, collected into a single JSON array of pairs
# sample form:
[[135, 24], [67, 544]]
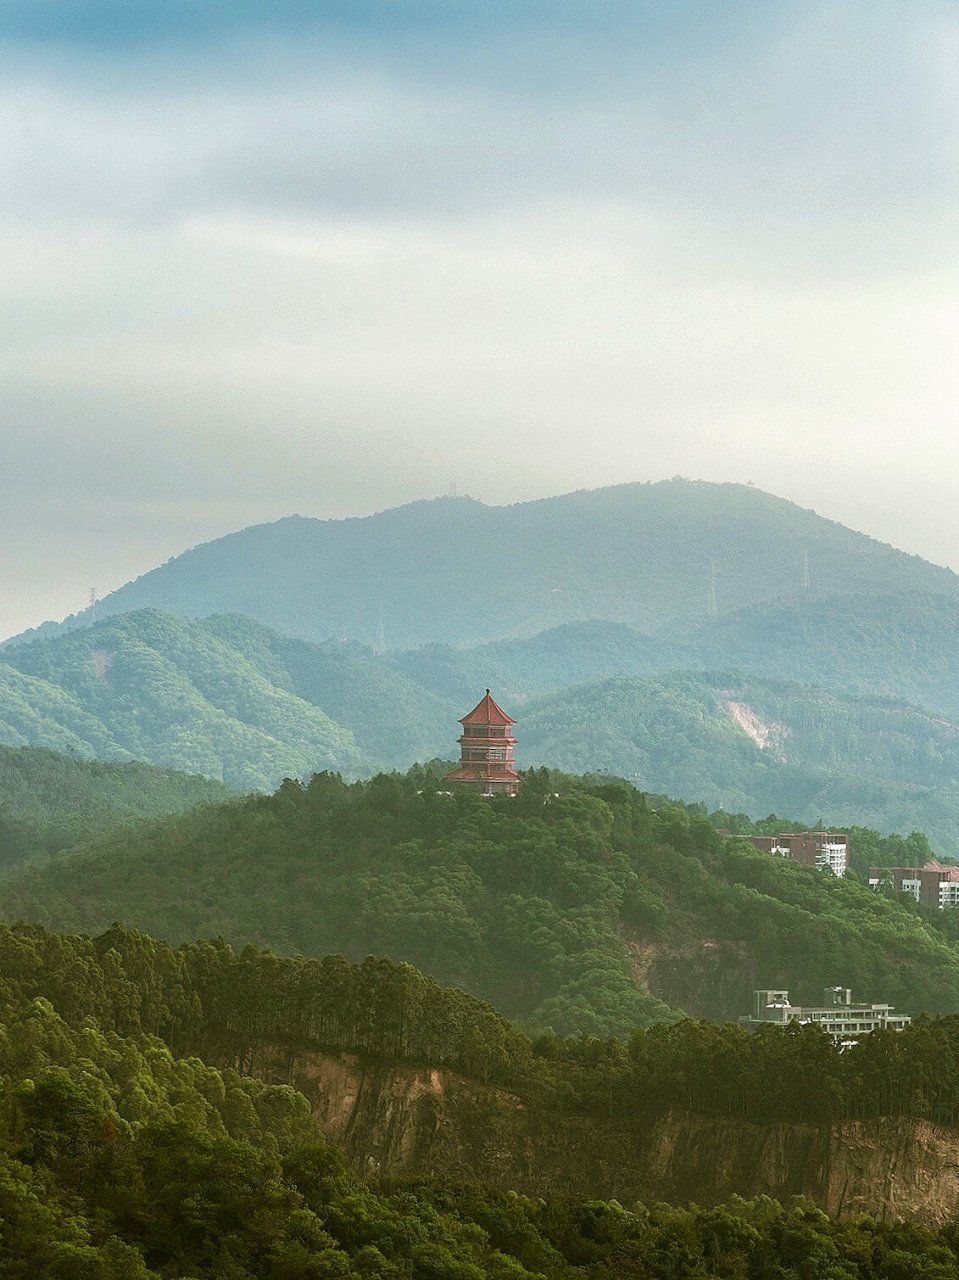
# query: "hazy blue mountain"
[[564, 655], [905, 645], [453, 570]]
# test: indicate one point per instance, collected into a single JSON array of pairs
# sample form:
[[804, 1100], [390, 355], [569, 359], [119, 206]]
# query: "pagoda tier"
[[486, 751]]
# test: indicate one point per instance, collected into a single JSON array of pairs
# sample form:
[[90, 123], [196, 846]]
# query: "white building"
[[837, 1016]]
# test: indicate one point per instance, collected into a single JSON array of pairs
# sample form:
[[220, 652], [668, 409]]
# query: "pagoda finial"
[[487, 690]]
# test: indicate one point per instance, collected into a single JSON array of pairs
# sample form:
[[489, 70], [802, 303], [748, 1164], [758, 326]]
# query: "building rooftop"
[[838, 1016]]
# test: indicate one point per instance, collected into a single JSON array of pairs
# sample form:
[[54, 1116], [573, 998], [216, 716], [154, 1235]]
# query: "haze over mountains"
[[455, 571], [637, 675]]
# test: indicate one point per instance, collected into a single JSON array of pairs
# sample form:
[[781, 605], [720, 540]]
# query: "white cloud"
[[236, 286]]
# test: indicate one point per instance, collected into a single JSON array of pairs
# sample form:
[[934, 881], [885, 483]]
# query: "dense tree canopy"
[[120, 1160], [50, 801], [580, 906]]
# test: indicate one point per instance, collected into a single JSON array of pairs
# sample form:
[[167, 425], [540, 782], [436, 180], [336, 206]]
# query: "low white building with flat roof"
[[838, 1016]]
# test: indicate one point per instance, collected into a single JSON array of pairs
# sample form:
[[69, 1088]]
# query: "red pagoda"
[[486, 751]]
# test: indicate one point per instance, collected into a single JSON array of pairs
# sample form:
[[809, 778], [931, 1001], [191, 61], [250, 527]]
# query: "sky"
[[258, 259]]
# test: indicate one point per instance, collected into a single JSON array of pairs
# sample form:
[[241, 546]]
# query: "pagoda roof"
[[487, 712]]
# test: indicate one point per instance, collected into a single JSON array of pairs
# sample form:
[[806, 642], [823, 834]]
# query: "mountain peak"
[[455, 570]]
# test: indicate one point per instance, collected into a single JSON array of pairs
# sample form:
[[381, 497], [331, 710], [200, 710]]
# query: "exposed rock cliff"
[[705, 977], [408, 1121]]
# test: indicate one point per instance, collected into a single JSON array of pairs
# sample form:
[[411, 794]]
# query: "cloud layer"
[[249, 267]]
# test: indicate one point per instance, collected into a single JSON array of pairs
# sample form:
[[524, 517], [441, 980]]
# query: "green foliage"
[[50, 801], [225, 697], [587, 911], [121, 1161], [159, 688], [845, 761], [204, 996]]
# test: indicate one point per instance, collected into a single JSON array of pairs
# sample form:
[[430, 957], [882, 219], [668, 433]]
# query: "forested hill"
[[50, 801], [120, 1160], [224, 697], [230, 698], [586, 910], [903, 646], [455, 570], [760, 746]]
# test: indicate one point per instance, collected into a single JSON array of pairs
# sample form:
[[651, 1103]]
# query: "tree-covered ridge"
[[50, 801], [570, 654], [223, 696], [588, 910], [231, 698], [120, 1161], [903, 645], [174, 693], [203, 997], [759, 746], [205, 1002], [635, 553]]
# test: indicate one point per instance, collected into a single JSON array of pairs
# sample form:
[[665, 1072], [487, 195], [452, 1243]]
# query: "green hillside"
[[229, 698], [394, 720], [759, 746], [587, 911], [39, 714], [905, 646], [154, 687], [456, 571], [133, 1149], [49, 801]]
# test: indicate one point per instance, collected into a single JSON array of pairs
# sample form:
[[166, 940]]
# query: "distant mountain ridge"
[[223, 696], [453, 570], [356, 644], [230, 698], [757, 746]]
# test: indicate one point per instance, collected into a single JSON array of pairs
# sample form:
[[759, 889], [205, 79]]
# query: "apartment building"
[[934, 885], [828, 850]]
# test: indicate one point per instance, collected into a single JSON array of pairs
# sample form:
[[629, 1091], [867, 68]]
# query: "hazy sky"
[[326, 258]]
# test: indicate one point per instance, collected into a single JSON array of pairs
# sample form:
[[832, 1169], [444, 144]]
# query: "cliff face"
[[408, 1121], [890, 1168], [706, 977]]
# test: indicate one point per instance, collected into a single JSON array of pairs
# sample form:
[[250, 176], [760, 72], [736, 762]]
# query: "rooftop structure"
[[934, 885], [486, 751], [828, 850], [838, 1016]]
